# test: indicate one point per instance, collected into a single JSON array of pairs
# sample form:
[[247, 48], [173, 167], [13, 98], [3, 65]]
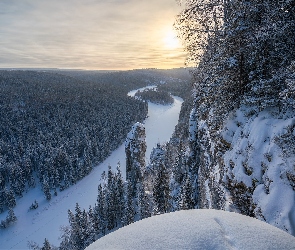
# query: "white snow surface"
[[133, 92], [197, 229], [254, 146], [49, 217]]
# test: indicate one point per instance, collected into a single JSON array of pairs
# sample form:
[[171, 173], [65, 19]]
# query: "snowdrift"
[[197, 229]]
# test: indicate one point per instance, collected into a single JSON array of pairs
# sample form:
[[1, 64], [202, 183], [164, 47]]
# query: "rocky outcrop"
[[135, 148], [247, 165]]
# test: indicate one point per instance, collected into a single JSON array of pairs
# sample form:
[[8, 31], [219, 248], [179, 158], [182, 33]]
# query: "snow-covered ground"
[[258, 160], [197, 229], [46, 220], [133, 92]]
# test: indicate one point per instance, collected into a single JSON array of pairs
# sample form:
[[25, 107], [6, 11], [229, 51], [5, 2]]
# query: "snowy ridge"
[[197, 229]]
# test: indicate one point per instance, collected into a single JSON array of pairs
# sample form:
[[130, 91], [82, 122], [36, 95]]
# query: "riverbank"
[[46, 221]]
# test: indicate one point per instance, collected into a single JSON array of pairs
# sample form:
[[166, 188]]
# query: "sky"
[[89, 34]]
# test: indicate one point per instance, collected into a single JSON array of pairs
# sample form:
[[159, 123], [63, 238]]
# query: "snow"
[[197, 229], [254, 146], [46, 220], [161, 121], [130, 136], [133, 92]]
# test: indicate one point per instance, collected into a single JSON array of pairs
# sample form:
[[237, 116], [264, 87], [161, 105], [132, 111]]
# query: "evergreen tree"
[[10, 219], [94, 217], [119, 197], [46, 245], [91, 227], [135, 148], [101, 222], [186, 200], [144, 203], [111, 199], [10, 199], [46, 189], [161, 190], [129, 215], [11, 216], [2, 200]]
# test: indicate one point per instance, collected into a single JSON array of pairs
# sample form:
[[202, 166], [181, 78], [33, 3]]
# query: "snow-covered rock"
[[261, 160], [247, 164], [197, 229]]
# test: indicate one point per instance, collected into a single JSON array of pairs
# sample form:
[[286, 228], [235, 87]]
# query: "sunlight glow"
[[171, 41]]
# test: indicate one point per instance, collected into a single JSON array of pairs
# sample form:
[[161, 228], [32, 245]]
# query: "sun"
[[170, 40]]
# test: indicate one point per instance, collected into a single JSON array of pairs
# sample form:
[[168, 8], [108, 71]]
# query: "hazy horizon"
[[89, 34]]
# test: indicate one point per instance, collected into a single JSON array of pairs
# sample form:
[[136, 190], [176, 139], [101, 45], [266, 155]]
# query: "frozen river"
[[45, 222]]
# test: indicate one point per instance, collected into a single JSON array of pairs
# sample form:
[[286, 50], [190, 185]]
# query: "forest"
[[243, 83], [155, 96], [58, 125], [55, 128], [233, 148]]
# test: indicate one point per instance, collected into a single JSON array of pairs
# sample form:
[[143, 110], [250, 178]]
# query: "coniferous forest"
[[54, 129], [232, 149], [57, 125], [244, 52]]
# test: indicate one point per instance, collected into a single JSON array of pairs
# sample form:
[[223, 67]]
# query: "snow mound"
[[197, 229]]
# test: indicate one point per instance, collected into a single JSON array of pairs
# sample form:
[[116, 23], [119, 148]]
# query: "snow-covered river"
[[45, 222]]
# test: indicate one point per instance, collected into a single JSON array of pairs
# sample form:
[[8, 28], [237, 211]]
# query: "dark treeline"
[[155, 96], [54, 128], [172, 80]]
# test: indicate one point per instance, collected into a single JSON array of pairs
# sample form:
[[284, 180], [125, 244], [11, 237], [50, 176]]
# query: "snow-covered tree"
[[144, 203], [46, 245], [135, 148], [187, 197], [129, 214], [161, 190]]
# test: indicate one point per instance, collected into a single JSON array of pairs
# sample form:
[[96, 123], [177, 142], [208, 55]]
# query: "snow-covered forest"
[[241, 139], [55, 128], [155, 96], [233, 147], [235, 152], [33, 210]]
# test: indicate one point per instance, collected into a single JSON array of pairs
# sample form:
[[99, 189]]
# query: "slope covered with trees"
[[55, 128], [241, 128], [233, 148]]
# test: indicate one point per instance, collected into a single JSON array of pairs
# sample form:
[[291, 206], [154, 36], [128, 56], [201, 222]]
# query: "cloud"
[[92, 34]]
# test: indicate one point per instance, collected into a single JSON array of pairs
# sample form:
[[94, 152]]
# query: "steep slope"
[[261, 160], [197, 229], [249, 166], [241, 143]]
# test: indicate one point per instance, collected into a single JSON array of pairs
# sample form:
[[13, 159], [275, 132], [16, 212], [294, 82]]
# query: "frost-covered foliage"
[[241, 128], [242, 48], [155, 96], [54, 128], [135, 148], [10, 219], [116, 207], [259, 166]]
